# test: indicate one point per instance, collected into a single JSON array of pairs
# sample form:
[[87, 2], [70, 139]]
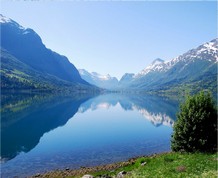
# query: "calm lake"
[[41, 133]]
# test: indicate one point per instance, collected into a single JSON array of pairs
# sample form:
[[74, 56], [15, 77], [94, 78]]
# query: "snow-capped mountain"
[[126, 79], [4, 20], [7, 21], [207, 52], [154, 66], [199, 64], [102, 81], [22, 50]]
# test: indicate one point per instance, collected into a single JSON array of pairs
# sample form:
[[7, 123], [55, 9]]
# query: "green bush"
[[196, 125]]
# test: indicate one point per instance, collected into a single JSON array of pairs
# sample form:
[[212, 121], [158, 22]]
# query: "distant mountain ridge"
[[125, 80], [26, 46], [196, 65], [195, 69], [28, 64], [102, 81]]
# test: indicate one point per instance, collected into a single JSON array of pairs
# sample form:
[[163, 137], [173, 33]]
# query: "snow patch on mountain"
[[95, 75], [207, 51], [102, 81], [4, 20], [156, 65], [101, 77]]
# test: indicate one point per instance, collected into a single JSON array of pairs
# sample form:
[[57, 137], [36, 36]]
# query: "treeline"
[[14, 83]]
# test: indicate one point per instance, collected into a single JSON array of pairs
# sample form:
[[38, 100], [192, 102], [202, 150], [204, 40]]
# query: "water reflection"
[[95, 130], [25, 118], [158, 110]]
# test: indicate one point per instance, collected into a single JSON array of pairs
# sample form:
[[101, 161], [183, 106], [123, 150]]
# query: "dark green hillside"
[[15, 75], [26, 63], [206, 82], [27, 46]]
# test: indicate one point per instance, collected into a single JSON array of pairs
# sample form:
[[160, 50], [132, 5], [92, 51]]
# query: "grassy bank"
[[161, 165]]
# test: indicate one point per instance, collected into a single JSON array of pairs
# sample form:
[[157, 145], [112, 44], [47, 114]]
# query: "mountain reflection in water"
[[53, 132], [145, 104], [25, 119]]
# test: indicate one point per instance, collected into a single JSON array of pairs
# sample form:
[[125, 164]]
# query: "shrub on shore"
[[196, 125]]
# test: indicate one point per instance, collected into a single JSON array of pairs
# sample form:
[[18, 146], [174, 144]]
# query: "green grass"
[[178, 165], [170, 165]]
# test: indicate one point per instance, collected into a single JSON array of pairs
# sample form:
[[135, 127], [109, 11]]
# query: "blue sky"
[[117, 37]]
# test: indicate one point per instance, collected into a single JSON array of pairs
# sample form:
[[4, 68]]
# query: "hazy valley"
[[28, 64]]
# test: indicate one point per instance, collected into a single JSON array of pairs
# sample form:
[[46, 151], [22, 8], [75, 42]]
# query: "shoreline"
[[100, 168], [165, 164]]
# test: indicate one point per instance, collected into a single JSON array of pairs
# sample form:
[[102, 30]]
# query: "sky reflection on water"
[[85, 131]]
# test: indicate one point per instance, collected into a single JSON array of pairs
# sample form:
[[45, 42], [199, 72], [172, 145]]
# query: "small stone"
[[37, 175], [121, 174], [87, 176], [142, 164]]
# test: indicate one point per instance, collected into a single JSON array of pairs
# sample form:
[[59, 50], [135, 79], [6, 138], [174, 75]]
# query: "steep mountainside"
[[195, 66], [126, 80], [102, 81], [17, 75], [26, 48]]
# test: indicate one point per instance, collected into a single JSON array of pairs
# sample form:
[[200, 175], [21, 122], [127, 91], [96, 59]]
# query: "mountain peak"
[[101, 77], [83, 71], [126, 78], [4, 19], [102, 81], [26, 45], [155, 65], [207, 51], [212, 45], [157, 61]]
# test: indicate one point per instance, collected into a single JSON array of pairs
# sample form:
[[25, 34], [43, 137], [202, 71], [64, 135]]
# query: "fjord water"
[[41, 133]]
